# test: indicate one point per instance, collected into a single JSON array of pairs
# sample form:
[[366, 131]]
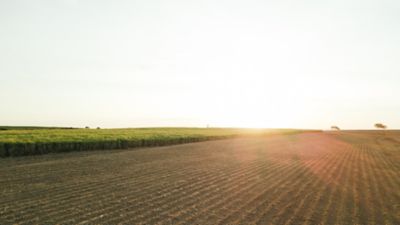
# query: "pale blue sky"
[[301, 64]]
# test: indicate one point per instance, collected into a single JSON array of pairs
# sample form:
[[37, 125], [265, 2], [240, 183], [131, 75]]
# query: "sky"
[[254, 63]]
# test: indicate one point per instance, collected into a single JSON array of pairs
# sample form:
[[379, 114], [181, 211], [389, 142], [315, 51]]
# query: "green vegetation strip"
[[21, 142]]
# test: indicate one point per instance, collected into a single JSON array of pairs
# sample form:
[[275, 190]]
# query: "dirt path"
[[314, 178]]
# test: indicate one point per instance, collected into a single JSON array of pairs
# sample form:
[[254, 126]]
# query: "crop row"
[[23, 149], [42, 141]]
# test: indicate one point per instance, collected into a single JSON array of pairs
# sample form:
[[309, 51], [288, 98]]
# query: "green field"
[[32, 128], [35, 140]]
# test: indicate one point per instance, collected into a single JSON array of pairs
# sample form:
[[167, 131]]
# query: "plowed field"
[[310, 178]]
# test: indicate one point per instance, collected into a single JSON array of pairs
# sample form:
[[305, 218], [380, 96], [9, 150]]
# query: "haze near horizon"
[[285, 64]]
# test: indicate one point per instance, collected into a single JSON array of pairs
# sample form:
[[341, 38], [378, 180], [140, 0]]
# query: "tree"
[[335, 128], [380, 126]]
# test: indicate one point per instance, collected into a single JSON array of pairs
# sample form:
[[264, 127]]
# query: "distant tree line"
[[380, 126], [335, 128], [377, 125]]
